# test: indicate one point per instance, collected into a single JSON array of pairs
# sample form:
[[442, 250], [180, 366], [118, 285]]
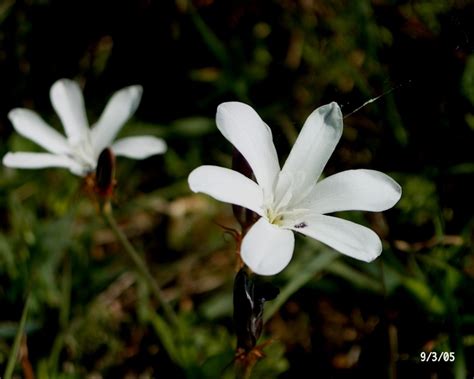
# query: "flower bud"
[[105, 174]]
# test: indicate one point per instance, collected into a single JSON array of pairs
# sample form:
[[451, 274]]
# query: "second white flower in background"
[[80, 148], [291, 200]]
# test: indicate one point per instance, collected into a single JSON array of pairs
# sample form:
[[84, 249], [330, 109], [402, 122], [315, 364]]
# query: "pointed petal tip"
[[334, 105], [392, 189], [135, 90], [119, 109], [372, 250], [330, 114], [222, 107], [136, 87], [315, 144], [139, 147], [16, 113], [333, 111], [233, 106], [361, 189], [193, 179], [373, 254], [135, 93], [13, 114], [241, 125], [68, 102], [347, 237], [398, 191], [63, 87], [27, 160], [138, 90], [11, 160], [6, 159], [62, 83]]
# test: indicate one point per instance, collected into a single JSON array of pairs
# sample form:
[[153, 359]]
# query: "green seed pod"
[[249, 299]]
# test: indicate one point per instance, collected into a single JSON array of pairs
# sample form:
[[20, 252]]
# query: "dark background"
[[285, 58]]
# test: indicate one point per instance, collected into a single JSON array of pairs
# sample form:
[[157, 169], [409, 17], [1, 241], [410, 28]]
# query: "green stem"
[[140, 265], [243, 369], [16, 344], [209, 37], [64, 311]]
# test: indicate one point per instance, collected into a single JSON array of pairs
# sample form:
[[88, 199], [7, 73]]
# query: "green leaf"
[[167, 336], [307, 270], [467, 83], [354, 276]]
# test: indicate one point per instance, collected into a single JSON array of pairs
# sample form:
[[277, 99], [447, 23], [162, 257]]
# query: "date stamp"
[[435, 356]]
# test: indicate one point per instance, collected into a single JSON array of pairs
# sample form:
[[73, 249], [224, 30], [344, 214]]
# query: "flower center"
[[83, 154], [281, 206], [274, 217], [286, 217]]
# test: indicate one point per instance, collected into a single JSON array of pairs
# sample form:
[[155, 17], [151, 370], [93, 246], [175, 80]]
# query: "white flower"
[[80, 149], [290, 200]]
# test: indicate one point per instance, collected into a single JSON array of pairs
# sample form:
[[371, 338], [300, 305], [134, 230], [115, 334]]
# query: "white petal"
[[140, 147], [30, 125], [119, 109], [266, 248], [365, 190], [244, 128], [347, 237], [228, 186], [40, 160], [67, 100], [315, 144]]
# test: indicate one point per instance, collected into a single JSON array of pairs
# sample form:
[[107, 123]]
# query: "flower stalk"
[[139, 264], [250, 296]]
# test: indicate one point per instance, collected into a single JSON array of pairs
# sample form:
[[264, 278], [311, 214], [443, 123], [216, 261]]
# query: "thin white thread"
[[375, 99]]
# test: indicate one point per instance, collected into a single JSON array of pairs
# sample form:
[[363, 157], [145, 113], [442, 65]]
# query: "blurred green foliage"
[[89, 315]]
